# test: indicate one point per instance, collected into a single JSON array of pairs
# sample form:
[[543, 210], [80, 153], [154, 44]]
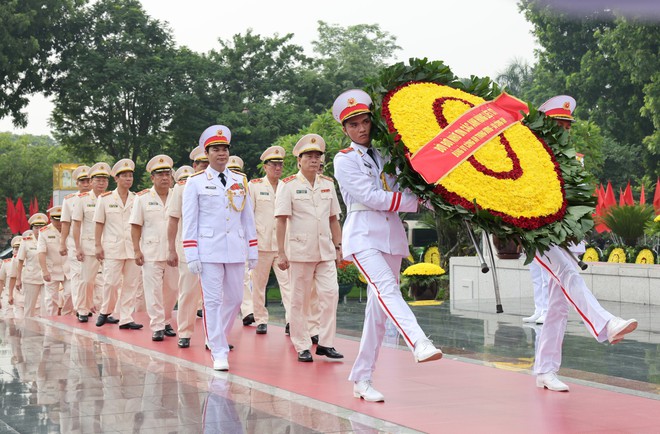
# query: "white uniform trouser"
[[32, 299], [190, 294], [384, 301], [222, 292], [323, 275], [75, 267], [268, 260], [540, 282], [88, 275], [121, 279], [52, 297], [246, 305], [160, 292], [219, 413], [566, 288]]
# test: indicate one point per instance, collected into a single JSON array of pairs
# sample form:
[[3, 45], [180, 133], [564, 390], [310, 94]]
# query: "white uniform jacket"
[[49, 243], [115, 215], [218, 221], [263, 204], [372, 202]]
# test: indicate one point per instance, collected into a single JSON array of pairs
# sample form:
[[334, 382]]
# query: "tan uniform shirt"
[[309, 238], [174, 208], [28, 254], [151, 213], [84, 213], [263, 203], [70, 203], [114, 214], [49, 243], [4, 273]]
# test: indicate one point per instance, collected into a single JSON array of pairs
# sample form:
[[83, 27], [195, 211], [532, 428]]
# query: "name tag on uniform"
[[153, 203], [51, 236], [301, 191], [367, 164], [325, 190], [114, 205], [91, 205], [264, 193], [210, 187]]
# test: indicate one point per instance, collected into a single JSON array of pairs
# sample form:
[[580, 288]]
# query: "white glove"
[[195, 266], [252, 264]]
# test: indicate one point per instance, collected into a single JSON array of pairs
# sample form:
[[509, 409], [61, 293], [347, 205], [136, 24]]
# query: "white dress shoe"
[[551, 382], [425, 351], [221, 365], [541, 318], [363, 389], [617, 328], [532, 318]]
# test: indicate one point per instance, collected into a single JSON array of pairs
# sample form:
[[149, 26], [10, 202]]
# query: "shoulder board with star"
[[196, 173], [182, 182], [7, 260], [327, 178], [106, 193], [70, 195], [45, 228], [257, 180], [27, 238], [83, 194], [289, 179], [346, 150], [143, 192]]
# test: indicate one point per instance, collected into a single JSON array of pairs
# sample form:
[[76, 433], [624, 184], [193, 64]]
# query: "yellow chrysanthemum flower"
[[424, 269]]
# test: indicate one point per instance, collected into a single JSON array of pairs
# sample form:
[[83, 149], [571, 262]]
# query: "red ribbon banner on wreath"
[[465, 136]]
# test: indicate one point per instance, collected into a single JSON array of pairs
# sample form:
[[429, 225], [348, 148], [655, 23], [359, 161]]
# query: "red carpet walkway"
[[443, 396]]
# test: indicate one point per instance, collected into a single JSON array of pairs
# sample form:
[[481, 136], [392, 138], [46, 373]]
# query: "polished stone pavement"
[[53, 380]]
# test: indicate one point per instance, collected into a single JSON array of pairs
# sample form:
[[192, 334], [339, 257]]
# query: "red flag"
[[600, 211], [656, 197], [34, 206], [610, 200], [50, 204], [627, 196], [642, 196], [10, 215], [21, 218], [622, 201]]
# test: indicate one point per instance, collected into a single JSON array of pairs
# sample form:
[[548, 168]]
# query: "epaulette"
[[289, 179], [238, 172], [7, 260], [26, 238], [83, 194], [327, 178], [45, 228], [145, 191], [182, 182], [257, 180], [106, 193], [70, 195], [346, 150], [196, 173]]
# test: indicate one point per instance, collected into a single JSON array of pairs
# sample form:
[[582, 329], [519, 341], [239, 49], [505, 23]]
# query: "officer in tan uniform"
[[236, 164], [83, 228], [308, 204], [262, 193], [67, 245], [190, 288], [219, 237], [28, 272], [54, 267], [7, 272], [114, 248], [149, 233]]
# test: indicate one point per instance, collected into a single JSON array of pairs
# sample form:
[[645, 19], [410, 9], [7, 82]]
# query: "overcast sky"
[[474, 37]]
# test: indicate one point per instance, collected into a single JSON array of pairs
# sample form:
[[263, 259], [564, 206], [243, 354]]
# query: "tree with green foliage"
[[32, 34]]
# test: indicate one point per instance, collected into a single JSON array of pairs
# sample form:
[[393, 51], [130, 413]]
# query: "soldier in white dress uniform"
[[219, 236], [114, 248], [7, 271], [190, 288], [263, 192], [375, 240], [54, 267], [149, 233], [308, 207], [83, 228], [28, 273], [67, 245]]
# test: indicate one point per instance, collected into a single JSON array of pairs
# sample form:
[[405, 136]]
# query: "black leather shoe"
[[262, 329], [286, 330], [305, 356], [131, 325], [101, 320], [328, 352], [158, 335], [200, 313], [249, 319], [83, 318], [111, 320], [184, 342], [315, 339], [169, 331]]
